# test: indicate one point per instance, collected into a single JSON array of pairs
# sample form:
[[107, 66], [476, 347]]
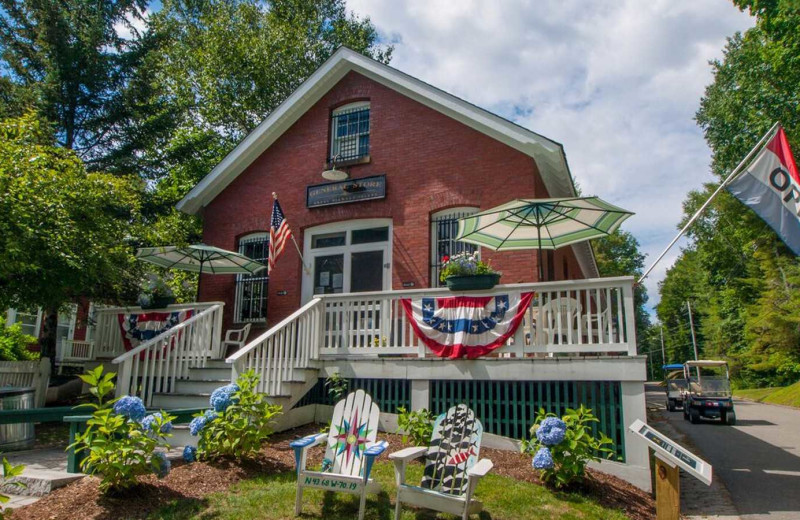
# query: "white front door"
[[351, 256]]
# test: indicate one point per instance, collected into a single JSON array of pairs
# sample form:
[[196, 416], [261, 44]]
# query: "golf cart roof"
[[673, 366], [706, 363]]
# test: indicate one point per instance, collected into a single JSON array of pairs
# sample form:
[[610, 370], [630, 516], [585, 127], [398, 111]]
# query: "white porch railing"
[[108, 336], [287, 346], [566, 317], [155, 365], [572, 317]]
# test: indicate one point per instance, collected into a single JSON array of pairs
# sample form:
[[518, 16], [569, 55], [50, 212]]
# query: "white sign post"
[[669, 457]]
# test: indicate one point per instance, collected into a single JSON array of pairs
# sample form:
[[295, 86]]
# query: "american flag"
[[279, 233]]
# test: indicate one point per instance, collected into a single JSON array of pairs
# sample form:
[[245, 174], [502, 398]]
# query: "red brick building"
[[417, 158]]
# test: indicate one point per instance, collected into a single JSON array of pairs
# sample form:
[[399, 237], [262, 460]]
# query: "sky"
[[617, 82]]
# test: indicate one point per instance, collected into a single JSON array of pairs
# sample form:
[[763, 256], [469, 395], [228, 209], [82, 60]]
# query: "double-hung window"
[[252, 290], [350, 132], [444, 228], [30, 322]]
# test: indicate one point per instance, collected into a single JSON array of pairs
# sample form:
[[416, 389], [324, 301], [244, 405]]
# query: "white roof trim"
[[548, 154]]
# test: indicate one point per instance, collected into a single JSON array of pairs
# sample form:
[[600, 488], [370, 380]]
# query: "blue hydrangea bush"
[[122, 441], [562, 447], [237, 424]]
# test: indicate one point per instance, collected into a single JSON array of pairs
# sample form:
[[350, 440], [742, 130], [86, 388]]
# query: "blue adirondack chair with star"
[[351, 449]]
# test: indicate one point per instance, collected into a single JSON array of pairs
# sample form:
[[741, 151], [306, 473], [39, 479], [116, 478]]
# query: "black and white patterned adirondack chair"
[[351, 450], [452, 468]]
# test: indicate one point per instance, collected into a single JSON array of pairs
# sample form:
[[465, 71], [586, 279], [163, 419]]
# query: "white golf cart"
[[708, 392]]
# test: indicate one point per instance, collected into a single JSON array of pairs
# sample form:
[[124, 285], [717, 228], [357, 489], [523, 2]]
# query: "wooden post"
[[668, 491]]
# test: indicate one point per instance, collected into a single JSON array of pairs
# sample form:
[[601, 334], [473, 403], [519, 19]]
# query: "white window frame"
[[239, 293], [434, 252], [347, 226], [11, 319], [335, 148]]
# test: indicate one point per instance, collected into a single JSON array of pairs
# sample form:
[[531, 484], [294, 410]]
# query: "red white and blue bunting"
[[138, 328], [466, 326]]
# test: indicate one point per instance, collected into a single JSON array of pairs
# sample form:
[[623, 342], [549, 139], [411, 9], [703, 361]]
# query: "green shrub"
[[337, 386], [563, 462], [418, 426], [120, 440], [10, 471], [14, 343], [238, 423]]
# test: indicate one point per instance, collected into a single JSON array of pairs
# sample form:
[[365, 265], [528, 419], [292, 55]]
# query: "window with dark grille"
[[252, 290], [444, 228], [350, 132]]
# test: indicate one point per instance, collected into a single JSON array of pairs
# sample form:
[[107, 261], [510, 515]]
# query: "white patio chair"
[[235, 338], [558, 321], [452, 468], [351, 450]]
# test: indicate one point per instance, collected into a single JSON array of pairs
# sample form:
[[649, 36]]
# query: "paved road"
[[758, 460]]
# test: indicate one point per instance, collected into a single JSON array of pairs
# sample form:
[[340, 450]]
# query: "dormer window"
[[350, 132]]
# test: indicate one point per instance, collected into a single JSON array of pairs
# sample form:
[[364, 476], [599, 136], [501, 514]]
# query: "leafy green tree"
[[64, 233], [69, 60]]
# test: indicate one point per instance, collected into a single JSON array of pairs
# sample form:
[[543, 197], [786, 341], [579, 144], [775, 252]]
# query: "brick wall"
[[431, 162]]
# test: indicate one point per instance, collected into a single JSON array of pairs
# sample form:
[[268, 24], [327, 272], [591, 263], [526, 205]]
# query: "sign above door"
[[344, 192]]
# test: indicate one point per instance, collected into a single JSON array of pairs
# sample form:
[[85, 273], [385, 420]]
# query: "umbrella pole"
[[541, 269], [197, 294]]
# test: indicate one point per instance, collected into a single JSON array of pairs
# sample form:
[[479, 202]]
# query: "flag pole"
[[735, 173], [299, 253]]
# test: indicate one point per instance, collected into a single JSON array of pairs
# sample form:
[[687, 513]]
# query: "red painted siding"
[[431, 162]]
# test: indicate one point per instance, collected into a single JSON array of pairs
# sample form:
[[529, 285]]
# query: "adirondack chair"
[[452, 468], [351, 450]]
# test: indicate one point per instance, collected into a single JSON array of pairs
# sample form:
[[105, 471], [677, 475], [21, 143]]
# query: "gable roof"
[[548, 154]]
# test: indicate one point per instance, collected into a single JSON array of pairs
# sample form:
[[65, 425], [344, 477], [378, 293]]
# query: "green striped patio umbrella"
[[199, 258], [541, 224]]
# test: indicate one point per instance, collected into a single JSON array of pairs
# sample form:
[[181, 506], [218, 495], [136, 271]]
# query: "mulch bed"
[[193, 482]]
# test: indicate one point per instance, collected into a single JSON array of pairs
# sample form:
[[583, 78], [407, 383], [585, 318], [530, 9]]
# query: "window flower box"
[[465, 272], [474, 282]]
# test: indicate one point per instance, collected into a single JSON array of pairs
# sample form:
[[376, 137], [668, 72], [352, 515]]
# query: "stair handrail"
[[172, 330], [272, 331]]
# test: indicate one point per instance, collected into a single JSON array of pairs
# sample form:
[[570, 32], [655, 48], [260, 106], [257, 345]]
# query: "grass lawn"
[[786, 395], [272, 497]]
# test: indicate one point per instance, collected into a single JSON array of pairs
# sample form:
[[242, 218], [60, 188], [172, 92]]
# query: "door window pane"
[[366, 236], [366, 271], [329, 274], [328, 240]]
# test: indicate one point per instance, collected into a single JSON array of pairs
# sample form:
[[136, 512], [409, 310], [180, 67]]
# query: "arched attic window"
[[350, 132]]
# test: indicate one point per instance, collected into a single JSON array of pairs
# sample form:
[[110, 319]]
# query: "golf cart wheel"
[[729, 418], [671, 405], [694, 416]]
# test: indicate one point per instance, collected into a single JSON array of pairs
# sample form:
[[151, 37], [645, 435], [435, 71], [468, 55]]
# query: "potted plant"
[[155, 293], [465, 272]]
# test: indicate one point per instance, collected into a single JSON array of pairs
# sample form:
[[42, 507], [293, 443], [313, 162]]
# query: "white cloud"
[[616, 82], [133, 23]]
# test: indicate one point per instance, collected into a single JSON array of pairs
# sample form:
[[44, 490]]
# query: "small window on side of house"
[[444, 228], [350, 132]]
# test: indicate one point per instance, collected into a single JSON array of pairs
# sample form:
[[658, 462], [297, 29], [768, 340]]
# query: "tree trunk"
[[47, 343]]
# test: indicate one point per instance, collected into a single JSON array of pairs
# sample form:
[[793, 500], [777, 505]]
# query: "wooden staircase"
[[194, 391]]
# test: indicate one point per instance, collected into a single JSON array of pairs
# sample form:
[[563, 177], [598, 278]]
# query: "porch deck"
[[576, 345]]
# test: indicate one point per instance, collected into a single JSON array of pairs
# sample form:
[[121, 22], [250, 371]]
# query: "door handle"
[[387, 265]]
